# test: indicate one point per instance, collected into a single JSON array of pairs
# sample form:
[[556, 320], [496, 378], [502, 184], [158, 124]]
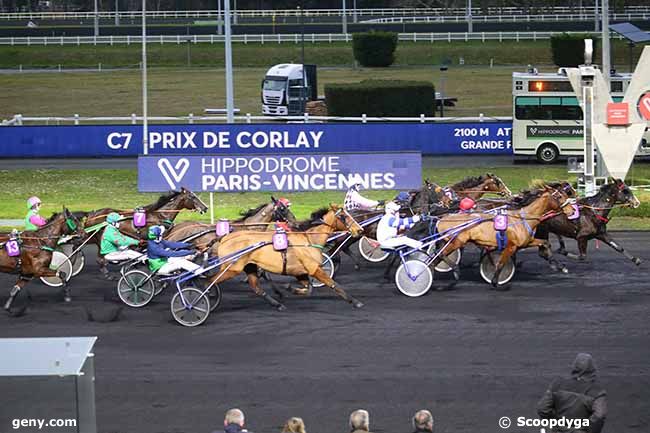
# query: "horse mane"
[[468, 182], [525, 198], [162, 200], [604, 190], [313, 218], [252, 211]]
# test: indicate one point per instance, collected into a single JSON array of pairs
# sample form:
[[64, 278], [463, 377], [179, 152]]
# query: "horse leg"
[[582, 248], [609, 241], [390, 265], [546, 252], [346, 250], [562, 248], [253, 282], [20, 284], [507, 252], [103, 267], [321, 276]]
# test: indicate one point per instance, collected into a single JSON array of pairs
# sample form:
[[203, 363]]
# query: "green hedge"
[[380, 98], [568, 50], [374, 49]]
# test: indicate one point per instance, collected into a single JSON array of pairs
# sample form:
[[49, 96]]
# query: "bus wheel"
[[547, 153]]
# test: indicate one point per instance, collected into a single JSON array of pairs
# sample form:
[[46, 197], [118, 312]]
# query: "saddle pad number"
[[12, 248], [501, 222], [223, 227], [139, 219], [280, 241]]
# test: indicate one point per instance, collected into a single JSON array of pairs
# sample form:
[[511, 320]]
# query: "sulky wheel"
[[328, 267], [371, 251], [190, 307], [135, 288], [488, 266], [60, 262], [78, 260], [413, 278], [454, 257]]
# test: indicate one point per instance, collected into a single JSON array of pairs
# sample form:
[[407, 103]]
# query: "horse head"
[[342, 220], [495, 184], [73, 225], [622, 194], [282, 213], [190, 201]]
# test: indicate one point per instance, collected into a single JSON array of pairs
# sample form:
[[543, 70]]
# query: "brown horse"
[[302, 259], [36, 248], [475, 187], [257, 219], [520, 232], [162, 212], [592, 222]]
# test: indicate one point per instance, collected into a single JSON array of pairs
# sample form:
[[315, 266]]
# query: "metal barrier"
[[245, 13], [274, 39], [504, 18], [20, 120]]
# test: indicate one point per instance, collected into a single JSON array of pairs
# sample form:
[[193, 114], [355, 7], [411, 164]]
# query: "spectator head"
[[294, 425], [423, 420], [583, 367], [234, 416], [360, 420]]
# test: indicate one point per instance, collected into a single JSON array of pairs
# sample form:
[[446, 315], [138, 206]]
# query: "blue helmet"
[[403, 197], [156, 232]]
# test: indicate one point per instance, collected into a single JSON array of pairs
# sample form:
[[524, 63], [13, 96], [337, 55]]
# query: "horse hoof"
[[109, 277], [300, 291], [502, 287], [281, 308], [67, 299], [357, 304], [637, 261], [565, 270], [357, 267], [456, 275]]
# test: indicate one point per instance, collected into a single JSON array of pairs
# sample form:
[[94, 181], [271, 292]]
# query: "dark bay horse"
[[162, 212], [36, 254], [592, 224], [302, 259], [523, 219]]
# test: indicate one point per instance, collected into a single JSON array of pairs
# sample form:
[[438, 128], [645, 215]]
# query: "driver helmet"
[[285, 201], [356, 183], [113, 218], [402, 197], [32, 202], [156, 232], [467, 204], [392, 207]]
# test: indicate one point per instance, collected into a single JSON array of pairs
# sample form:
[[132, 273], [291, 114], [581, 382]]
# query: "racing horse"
[[33, 260], [257, 219], [592, 222], [523, 217], [161, 212], [302, 259], [476, 187], [429, 198]]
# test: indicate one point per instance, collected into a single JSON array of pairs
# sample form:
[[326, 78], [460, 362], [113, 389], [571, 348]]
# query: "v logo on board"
[[173, 174]]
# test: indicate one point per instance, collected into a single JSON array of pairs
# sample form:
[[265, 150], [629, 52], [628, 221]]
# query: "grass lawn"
[[92, 189], [178, 91]]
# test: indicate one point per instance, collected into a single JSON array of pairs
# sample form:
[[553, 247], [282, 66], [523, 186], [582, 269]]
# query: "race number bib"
[[12, 248]]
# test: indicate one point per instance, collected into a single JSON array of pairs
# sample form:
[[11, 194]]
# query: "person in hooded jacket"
[[579, 396]]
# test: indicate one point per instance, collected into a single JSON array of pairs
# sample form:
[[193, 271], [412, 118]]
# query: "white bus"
[[547, 119]]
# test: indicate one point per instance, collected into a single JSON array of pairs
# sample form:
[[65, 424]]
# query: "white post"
[[235, 19], [96, 19], [219, 19], [145, 121], [607, 64], [355, 19], [470, 24], [344, 18], [230, 105], [117, 10], [212, 204], [596, 16]]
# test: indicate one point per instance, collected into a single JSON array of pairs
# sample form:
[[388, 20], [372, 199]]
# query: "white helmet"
[[355, 182], [392, 207]]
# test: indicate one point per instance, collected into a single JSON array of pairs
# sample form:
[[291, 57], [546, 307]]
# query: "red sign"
[[644, 106], [618, 113]]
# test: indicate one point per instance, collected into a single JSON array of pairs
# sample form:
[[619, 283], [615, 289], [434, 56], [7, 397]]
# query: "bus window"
[[547, 108]]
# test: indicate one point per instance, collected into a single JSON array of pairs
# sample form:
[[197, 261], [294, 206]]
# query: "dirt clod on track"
[[470, 355]]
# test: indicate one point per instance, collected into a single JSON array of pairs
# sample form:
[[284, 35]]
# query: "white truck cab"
[[283, 86]]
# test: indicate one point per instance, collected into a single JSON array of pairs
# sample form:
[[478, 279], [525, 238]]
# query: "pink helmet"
[[33, 201], [467, 204], [285, 201]]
